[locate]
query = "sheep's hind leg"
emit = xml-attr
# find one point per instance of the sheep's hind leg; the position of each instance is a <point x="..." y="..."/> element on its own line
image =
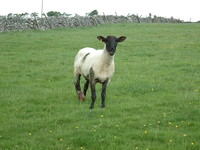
<point x="86" y="87"/>
<point x="77" y="83"/>
<point x="78" y="88"/>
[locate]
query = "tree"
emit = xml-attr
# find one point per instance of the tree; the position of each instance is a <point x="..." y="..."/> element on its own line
<point x="92" y="13"/>
<point x="53" y="13"/>
<point x="24" y="15"/>
<point x="34" y="15"/>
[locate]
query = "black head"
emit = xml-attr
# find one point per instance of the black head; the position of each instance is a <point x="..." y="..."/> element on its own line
<point x="111" y="43"/>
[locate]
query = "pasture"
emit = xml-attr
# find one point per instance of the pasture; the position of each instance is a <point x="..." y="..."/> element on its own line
<point x="153" y="100"/>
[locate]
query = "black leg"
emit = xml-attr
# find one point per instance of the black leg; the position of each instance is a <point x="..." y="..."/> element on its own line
<point x="93" y="93"/>
<point x="77" y="83"/>
<point x="103" y="93"/>
<point x="86" y="87"/>
<point x="92" y="86"/>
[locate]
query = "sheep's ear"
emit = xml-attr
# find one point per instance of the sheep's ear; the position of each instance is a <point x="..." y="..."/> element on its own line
<point x="101" y="38"/>
<point x="121" y="39"/>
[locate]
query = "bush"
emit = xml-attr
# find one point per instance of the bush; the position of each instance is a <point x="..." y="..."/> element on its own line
<point x="53" y="13"/>
<point x="93" y="13"/>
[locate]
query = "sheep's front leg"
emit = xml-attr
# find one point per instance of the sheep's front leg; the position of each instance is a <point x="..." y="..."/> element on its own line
<point x="93" y="93"/>
<point x="92" y="86"/>
<point x="103" y="93"/>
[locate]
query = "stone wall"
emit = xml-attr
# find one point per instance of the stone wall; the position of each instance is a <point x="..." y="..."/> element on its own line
<point x="19" y="23"/>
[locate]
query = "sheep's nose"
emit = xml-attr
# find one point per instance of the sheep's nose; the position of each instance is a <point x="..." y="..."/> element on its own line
<point x="112" y="49"/>
<point x="112" y="53"/>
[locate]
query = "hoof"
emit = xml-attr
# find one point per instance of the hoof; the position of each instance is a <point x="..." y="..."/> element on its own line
<point x="91" y="107"/>
<point x="103" y="106"/>
<point x="81" y="96"/>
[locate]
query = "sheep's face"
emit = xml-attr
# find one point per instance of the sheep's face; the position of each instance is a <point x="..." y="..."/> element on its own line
<point x="111" y="43"/>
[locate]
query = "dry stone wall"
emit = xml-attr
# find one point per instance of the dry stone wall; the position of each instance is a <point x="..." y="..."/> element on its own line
<point x="18" y="23"/>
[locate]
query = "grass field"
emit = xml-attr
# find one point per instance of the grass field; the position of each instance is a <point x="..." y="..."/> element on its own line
<point x="153" y="100"/>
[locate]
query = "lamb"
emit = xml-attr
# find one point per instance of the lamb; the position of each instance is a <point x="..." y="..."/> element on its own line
<point x="96" y="66"/>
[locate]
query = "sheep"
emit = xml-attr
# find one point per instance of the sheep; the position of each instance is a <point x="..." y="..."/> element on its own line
<point x="96" y="66"/>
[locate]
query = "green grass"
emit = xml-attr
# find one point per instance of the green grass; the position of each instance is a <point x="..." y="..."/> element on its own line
<point x="152" y="101"/>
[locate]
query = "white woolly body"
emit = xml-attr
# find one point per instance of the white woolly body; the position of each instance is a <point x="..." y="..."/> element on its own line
<point x="99" y="60"/>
